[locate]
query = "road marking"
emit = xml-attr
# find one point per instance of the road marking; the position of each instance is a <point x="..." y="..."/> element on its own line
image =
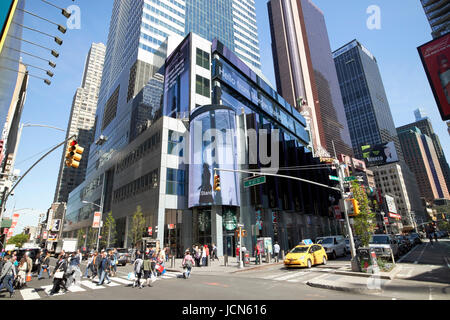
<point x="430" y="297"/>
<point x="317" y="278"/>
<point x="30" y="294"/>
<point x="47" y="290"/>
<point x="91" y="285"/>
<point x="121" y="280"/>
<point x="447" y="261"/>
<point x="421" y="254"/>
<point x="289" y="276"/>
<point x="75" y="288"/>
<point x="406" y="255"/>
<point x="112" y="284"/>
<point x="274" y="276"/>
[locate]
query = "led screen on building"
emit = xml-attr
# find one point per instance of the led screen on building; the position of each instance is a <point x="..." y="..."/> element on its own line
<point x="213" y="144"/>
<point x="435" y="57"/>
<point x="380" y="154"/>
<point x="7" y="8"/>
<point x="176" y="84"/>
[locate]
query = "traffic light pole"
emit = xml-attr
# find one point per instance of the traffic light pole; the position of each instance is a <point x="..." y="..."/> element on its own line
<point x="2" y="208"/>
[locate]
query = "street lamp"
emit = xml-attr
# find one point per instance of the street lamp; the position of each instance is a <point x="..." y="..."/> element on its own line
<point x="101" y="222"/>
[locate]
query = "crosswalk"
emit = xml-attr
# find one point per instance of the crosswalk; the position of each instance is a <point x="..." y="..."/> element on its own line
<point x="292" y="276"/>
<point x="86" y="285"/>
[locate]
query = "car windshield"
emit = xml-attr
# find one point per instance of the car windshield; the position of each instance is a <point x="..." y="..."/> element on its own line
<point x="379" y="240"/>
<point x="327" y="240"/>
<point x="299" y="250"/>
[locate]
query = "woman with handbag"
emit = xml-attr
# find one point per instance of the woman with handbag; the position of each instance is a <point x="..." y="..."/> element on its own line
<point x="187" y="264"/>
<point x="59" y="275"/>
<point x="22" y="274"/>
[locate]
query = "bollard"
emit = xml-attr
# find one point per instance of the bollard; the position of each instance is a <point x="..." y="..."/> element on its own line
<point x="282" y="255"/>
<point x="260" y="258"/>
<point x="225" y="260"/>
<point x="172" y="262"/>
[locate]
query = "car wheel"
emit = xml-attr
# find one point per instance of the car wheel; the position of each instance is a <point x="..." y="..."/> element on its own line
<point x="309" y="264"/>
<point x="324" y="260"/>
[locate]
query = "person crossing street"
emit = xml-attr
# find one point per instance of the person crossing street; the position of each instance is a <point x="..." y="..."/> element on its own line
<point x="104" y="269"/>
<point x="7" y="275"/>
<point x="44" y="265"/>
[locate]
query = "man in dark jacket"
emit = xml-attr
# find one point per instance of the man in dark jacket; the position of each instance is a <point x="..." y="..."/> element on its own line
<point x="44" y="265"/>
<point x="94" y="265"/>
<point x="59" y="274"/>
<point x="104" y="269"/>
<point x="7" y="275"/>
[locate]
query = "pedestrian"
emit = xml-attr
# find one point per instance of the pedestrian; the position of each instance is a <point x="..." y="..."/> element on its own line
<point x="197" y="256"/>
<point x="203" y="255"/>
<point x="88" y="266"/>
<point x="29" y="265"/>
<point x="435" y="236"/>
<point x="59" y="275"/>
<point x="214" y="252"/>
<point x="167" y="252"/>
<point x="7" y="275"/>
<point x="95" y="265"/>
<point x="138" y="267"/>
<point x="22" y="274"/>
<point x="74" y="272"/>
<point x="257" y="253"/>
<point x="430" y="237"/>
<point x="161" y="257"/>
<point x="149" y="275"/>
<point x="44" y="265"/>
<point x="113" y="263"/>
<point x="276" y="251"/>
<point x="104" y="269"/>
<point x="37" y="261"/>
<point x="187" y="264"/>
<point x="206" y="248"/>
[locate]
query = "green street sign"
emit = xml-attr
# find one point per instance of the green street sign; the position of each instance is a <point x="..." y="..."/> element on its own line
<point x="254" y="182"/>
<point x="350" y="178"/>
<point x="334" y="178"/>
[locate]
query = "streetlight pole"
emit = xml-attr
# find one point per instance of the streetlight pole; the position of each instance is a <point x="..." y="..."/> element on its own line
<point x="101" y="210"/>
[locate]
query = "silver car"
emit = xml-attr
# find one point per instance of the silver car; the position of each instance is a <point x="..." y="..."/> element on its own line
<point x="385" y="245"/>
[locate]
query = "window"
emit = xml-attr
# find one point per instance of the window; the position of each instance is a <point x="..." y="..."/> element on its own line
<point x="202" y="86"/>
<point x="175" y="139"/>
<point x="175" y="182"/>
<point x="202" y="59"/>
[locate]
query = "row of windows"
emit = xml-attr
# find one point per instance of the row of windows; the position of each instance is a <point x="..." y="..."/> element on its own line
<point x="203" y="59"/>
<point x="248" y="25"/>
<point x="154" y="30"/>
<point x="111" y="108"/>
<point x="202" y="86"/>
<point x="165" y="15"/>
<point x="253" y="35"/>
<point x="163" y="24"/>
<point x="247" y="38"/>
<point x="144" y="183"/>
<point x="254" y="56"/>
<point x="175" y="184"/>
<point x="175" y="139"/>
<point x="165" y="6"/>
<point x="249" y="12"/>
<point x="139" y="152"/>
<point x="152" y="50"/>
<point x="151" y="39"/>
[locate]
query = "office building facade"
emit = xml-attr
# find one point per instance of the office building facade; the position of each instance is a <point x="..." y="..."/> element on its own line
<point x="437" y="12"/>
<point x="426" y="128"/>
<point x="81" y="121"/>
<point x="171" y="181"/>
<point x="305" y="72"/>
<point x="422" y="160"/>
<point x="368" y="113"/>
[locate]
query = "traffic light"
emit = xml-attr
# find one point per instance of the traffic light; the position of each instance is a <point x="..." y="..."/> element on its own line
<point x="73" y="154"/>
<point x="216" y="182"/>
<point x="355" y="206"/>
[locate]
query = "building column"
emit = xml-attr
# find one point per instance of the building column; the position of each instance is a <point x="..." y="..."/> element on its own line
<point x="217" y="229"/>
<point x="125" y="243"/>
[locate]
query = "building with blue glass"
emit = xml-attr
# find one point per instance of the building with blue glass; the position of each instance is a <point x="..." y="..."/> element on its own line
<point x="211" y="110"/>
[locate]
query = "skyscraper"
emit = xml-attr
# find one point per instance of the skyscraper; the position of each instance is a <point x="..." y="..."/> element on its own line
<point x="305" y="71"/>
<point x="437" y="12"/>
<point x="81" y="122"/>
<point x="426" y="128"/>
<point x="422" y="160"/>
<point x="368" y="113"/>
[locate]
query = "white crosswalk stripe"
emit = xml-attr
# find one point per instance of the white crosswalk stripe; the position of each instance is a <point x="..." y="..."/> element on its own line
<point x="273" y="276"/>
<point x="47" y="290"/>
<point x="29" y="294"/>
<point x="123" y="280"/>
<point x="289" y="276"/>
<point x="75" y="288"/>
<point x="91" y="285"/>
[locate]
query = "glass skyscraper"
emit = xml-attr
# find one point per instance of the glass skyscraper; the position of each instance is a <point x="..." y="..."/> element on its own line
<point x="438" y="15"/>
<point x="366" y="106"/>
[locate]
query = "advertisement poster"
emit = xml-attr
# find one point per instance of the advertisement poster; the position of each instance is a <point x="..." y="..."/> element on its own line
<point x="390" y="202"/>
<point x="435" y="57"/>
<point x="176" y="84"/>
<point x="213" y="145"/>
<point x="380" y="154"/>
<point x="96" y="222"/>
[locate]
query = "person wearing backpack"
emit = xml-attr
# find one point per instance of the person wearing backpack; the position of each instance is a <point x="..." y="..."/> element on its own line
<point x="113" y="263"/>
<point x="104" y="269"/>
<point x="7" y="275"/>
<point x="188" y="263"/>
<point x="138" y="268"/>
<point x="148" y="271"/>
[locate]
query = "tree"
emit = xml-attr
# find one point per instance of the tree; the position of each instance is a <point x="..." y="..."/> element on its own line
<point x="81" y="233"/>
<point x="364" y="222"/>
<point x="137" y="225"/>
<point x="108" y="231"/>
<point x="19" y="239"/>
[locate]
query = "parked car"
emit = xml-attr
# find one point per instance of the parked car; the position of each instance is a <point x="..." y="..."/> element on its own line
<point x="404" y="245"/>
<point x="334" y="246"/>
<point x="384" y="245"/>
<point x="124" y="256"/>
<point x="306" y="256"/>
<point x="319" y="240"/>
<point x="415" y="238"/>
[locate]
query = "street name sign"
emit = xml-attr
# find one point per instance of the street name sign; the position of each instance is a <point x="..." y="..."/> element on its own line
<point x="254" y="182"/>
<point x="334" y="178"/>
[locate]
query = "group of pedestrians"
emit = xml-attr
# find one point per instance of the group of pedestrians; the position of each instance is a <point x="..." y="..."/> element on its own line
<point x="148" y="265"/>
<point x="202" y="254"/>
<point x="102" y="265"/>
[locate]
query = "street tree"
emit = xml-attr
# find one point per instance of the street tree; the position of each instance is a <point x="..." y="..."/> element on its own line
<point x="108" y="231"/>
<point x="19" y="239"/>
<point x="137" y="225"/>
<point x="364" y="222"/>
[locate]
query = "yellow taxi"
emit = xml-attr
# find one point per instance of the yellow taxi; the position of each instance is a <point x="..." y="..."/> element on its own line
<point x="306" y="256"/>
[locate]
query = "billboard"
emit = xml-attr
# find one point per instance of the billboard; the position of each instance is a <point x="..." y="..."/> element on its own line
<point x="177" y="81"/>
<point x="213" y="145"/>
<point x="7" y="9"/>
<point x="435" y="56"/>
<point x="97" y="218"/>
<point x="380" y="154"/>
<point x="390" y="202"/>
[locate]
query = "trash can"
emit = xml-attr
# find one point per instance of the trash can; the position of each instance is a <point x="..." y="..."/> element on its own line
<point x="363" y="257"/>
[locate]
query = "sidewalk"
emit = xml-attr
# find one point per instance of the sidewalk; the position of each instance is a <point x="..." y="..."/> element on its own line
<point x="219" y="267"/>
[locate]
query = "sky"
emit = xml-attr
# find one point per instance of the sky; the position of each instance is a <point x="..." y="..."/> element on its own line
<point x="404" y="27"/>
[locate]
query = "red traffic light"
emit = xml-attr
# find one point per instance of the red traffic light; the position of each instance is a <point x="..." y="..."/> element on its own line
<point x="73" y="143"/>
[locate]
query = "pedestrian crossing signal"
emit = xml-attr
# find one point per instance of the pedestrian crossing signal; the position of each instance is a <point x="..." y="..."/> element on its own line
<point x="216" y="182"/>
<point x="73" y="154"/>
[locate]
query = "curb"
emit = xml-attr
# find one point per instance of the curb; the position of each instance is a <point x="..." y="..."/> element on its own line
<point x="389" y="276"/>
<point x="342" y="288"/>
<point x="257" y="268"/>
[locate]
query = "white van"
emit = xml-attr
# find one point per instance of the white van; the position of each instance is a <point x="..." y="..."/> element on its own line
<point x="334" y="246"/>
